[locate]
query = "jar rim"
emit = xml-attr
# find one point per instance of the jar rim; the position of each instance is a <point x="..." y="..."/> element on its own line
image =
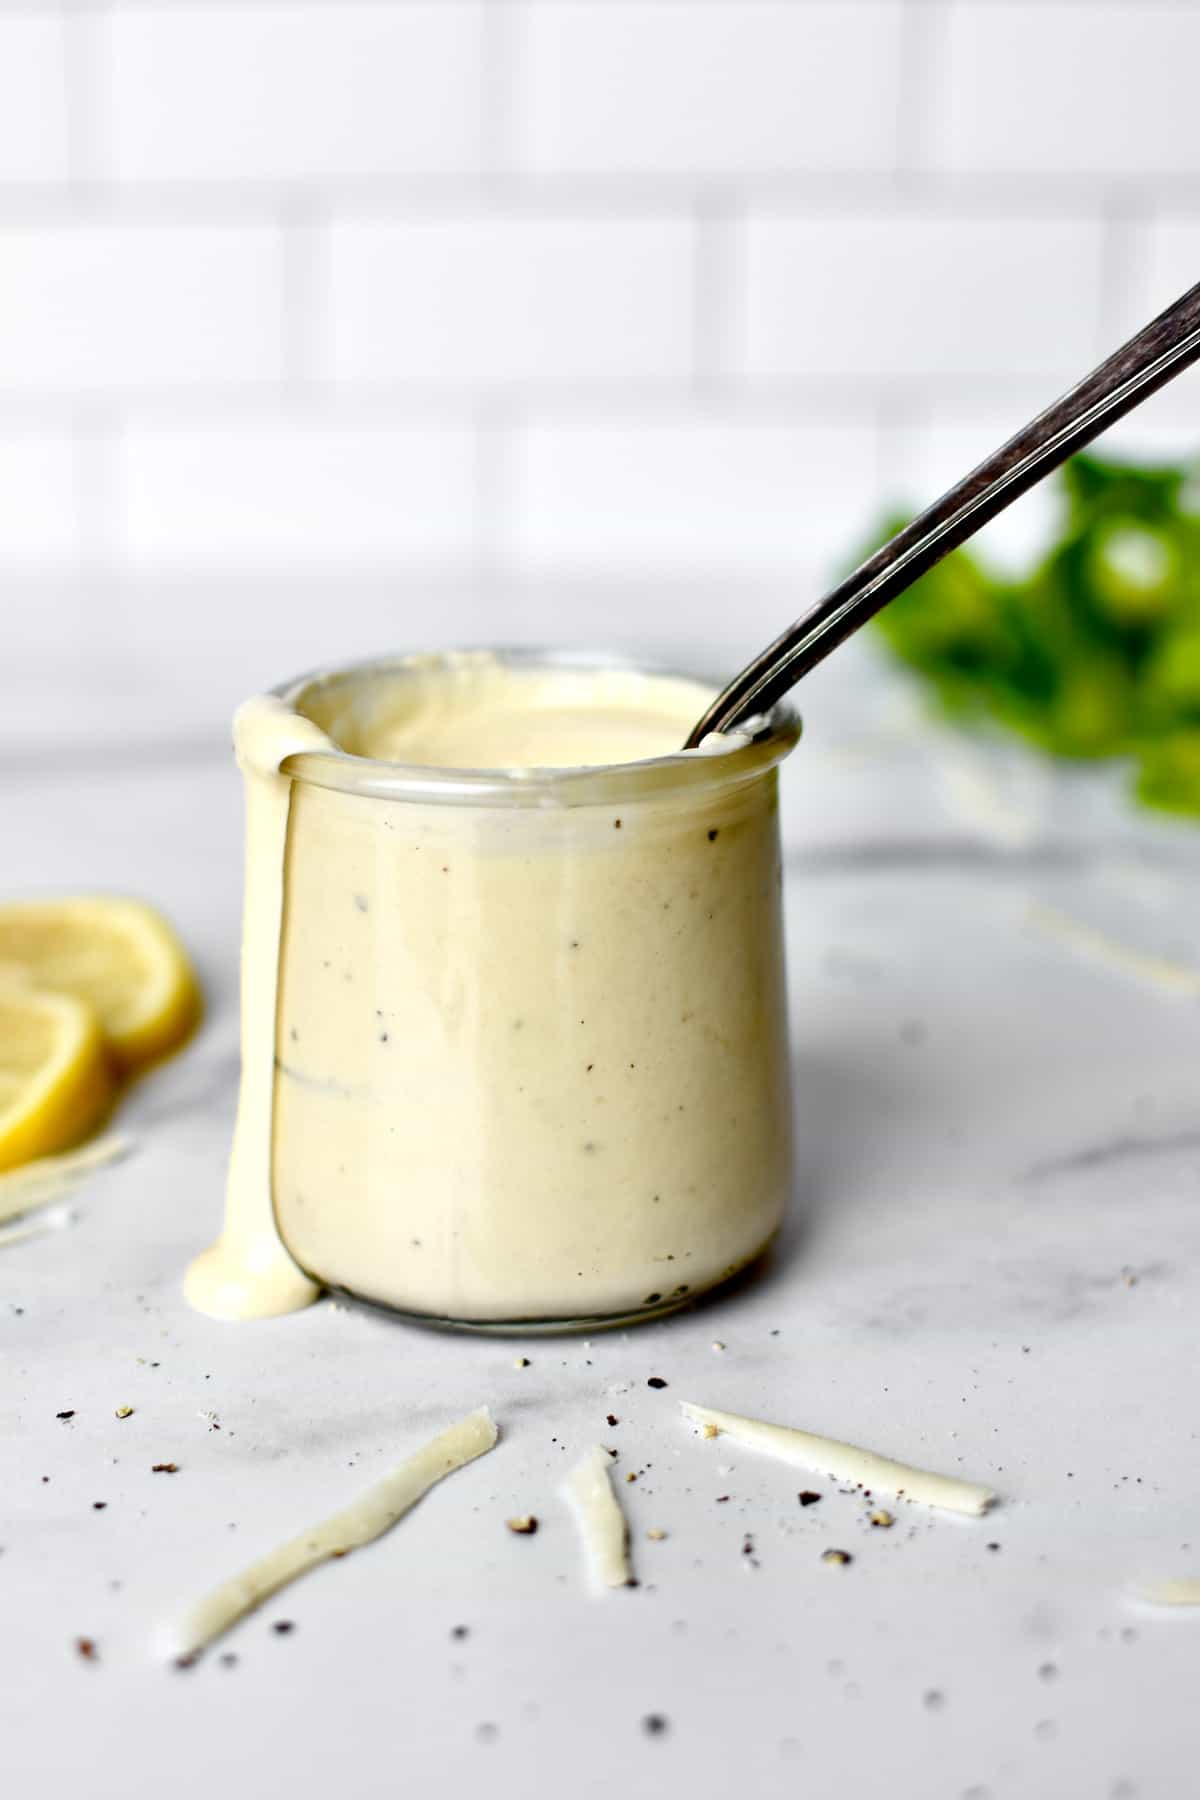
<point x="771" y="739"/>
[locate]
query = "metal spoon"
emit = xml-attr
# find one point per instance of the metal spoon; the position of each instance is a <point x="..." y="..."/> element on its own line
<point x="1126" y="378"/>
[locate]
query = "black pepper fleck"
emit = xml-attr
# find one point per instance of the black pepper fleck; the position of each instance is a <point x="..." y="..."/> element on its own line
<point x="459" y="1632"/>
<point x="612" y="1419"/>
<point x="99" y="1505"/>
<point x="281" y="1627"/>
<point x="69" y="1414"/>
<point x="650" y="1299"/>
<point x="656" y="1381"/>
<point x="807" y="1498"/>
<point x="712" y="836"/>
<point x="655" y="1724"/>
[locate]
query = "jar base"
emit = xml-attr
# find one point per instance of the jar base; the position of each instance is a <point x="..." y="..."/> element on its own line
<point x="523" y="1328"/>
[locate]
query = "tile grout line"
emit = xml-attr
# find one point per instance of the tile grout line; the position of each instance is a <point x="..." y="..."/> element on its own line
<point x="1123" y="221"/>
<point x="899" y="417"/>
<point x="831" y="194"/>
<point x="96" y="428"/>
<point x="750" y="400"/>
<point x="85" y="110"/>
<point x="496" y="420"/>
<point x="302" y="230"/>
<point x="924" y="34"/>
<point x="718" y="253"/>
<point x="23" y="8"/>
<point x="497" y="95"/>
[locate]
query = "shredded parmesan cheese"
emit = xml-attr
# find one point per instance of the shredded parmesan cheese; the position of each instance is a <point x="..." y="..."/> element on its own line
<point x="845" y="1462"/>
<point x="368" y="1518"/>
<point x="48" y="1178"/>
<point x="1168" y="977"/>
<point x="600" y="1519"/>
<point x="1179" y="1592"/>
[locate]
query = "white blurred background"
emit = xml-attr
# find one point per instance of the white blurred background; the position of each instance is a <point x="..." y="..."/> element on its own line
<point x="346" y="325"/>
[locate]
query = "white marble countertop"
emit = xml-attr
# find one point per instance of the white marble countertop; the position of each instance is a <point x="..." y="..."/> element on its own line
<point x="992" y="1268"/>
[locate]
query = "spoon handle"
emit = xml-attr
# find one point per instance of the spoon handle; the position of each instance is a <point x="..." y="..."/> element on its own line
<point x="1147" y="362"/>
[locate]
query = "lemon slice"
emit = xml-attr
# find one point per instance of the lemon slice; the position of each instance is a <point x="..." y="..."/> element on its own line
<point x="118" y="956"/>
<point x="55" y="1077"/>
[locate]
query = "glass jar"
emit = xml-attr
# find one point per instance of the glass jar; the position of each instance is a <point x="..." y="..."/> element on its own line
<point x="532" y="1062"/>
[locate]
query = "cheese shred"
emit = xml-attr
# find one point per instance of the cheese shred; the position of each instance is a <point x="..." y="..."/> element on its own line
<point x="35" y="1184"/>
<point x="601" y="1522"/>
<point x="845" y="1462"/>
<point x="360" y="1523"/>
<point x="1179" y="1592"/>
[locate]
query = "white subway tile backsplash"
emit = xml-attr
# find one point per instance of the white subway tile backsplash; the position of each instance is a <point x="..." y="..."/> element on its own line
<point x="1165" y="428"/>
<point x="33" y="99"/>
<point x="923" y="458"/>
<point x="94" y="307"/>
<point x="287" y="92"/>
<point x="653" y="268"/>
<point x="1152" y="438"/>
<point x="1055" y="85"/>
<point x="908" y="296"/>
<point x="666" y="86"/>
<point x="1162" y="261"/>
<point x="691" y="492"/>
<point x="1167" y="265"/>
<point x="38" y="522"/>
<point x="287" y="492"/>
<point x="503" y="300"/>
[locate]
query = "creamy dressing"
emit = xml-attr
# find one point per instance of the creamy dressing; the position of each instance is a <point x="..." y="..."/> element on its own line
<point x="375" y="1512"/>
<point x="502" y="1062"/>
<point x="248" y="1274"/>
<point x="845" y="1462"/>
<point x="484" y="714"/>
<point x="601" y="1522"/>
